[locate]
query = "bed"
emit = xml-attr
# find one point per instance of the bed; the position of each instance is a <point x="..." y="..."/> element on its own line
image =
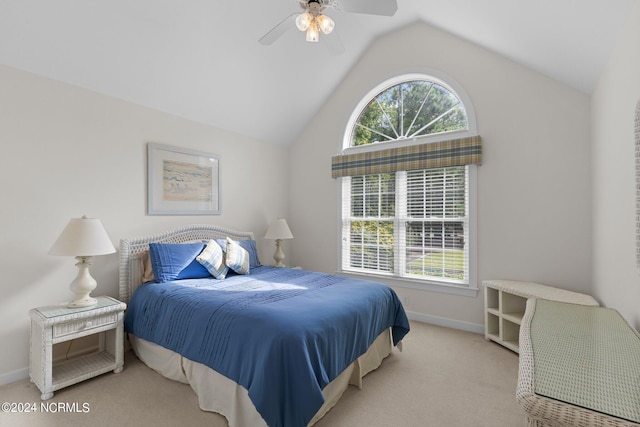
<point x="260" y="345"/>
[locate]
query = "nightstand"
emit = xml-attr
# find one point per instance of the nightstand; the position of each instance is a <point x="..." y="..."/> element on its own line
<point x="58" y="323"/>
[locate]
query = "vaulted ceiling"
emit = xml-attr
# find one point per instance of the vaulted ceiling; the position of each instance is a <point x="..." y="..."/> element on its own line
<point x="200" y="59"/>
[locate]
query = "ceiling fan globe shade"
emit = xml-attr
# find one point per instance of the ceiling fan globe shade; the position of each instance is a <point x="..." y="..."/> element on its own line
<point x="303" y="21"/>
<point x="325" y="24"/>
<point x="313" y="33"/>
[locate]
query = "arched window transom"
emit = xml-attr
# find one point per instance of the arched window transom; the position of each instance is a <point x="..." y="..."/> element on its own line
<point x="409" y="109"/>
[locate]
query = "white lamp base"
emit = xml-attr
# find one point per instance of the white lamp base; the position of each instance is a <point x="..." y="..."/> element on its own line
<point x="84" y="302"/>
<point x="279" y="255"/>
<point x="83" y="284"/>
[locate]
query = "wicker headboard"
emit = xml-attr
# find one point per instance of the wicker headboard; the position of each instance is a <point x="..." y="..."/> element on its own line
<point x="131" y="250"/>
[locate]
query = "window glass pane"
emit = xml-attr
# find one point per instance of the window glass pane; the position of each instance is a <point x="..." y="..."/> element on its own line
<point x="372" y="208"/>
<point x="453" y="235"/>
<point x="357" y="205"/>
<point x="388" y="202"/>
<point x="408" y="110"/>
<point x="357" y="196"/>
<point x="436" y="249"/>
<point x="357" y="233"/>
<point x="438" y="193"/>
<point x="373" y="196"/>
<point x="372" y="245"/>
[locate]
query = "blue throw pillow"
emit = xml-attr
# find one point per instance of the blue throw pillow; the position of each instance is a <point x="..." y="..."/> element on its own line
<point x="174" y="261"/>
<point x="250" y="246"/>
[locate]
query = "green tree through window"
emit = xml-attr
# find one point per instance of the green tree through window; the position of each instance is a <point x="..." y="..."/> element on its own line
<point x="408" y="110"/>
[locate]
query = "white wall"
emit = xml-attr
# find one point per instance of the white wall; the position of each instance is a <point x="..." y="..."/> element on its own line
<point x="616" y="278"/>
<point x="534" y="191"/>
<point x="68" y="152"/>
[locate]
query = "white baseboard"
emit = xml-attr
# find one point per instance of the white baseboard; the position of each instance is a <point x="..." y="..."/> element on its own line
<point x="447" y="323"/>
<point x="23" y="374"/>
<point x="12" y="377"/>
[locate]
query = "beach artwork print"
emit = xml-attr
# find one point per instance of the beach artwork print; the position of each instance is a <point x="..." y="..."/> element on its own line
<point x="186" y="182"/>
<point x="182" y="182"/>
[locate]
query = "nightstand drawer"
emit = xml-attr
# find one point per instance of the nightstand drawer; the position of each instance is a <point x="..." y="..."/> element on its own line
<point x="83" y="324"/>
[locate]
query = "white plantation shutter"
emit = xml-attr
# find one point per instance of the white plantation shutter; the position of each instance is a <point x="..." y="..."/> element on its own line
<point x="368" y="213"/>
<point x="434" y="219"/>
<point x="408" y="224"/>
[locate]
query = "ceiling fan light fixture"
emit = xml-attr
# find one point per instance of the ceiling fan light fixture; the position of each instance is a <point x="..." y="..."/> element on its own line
<point x="312" y="20"/>
<point x="303" y="21"/>
<point x="313" y="33"/>
<point x="325" y="24"/>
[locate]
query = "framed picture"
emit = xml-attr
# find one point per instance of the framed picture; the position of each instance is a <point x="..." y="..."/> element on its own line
<point x="182" y="182"/>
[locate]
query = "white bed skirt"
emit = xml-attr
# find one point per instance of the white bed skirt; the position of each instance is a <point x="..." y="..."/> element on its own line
<point x="217" y="393"/>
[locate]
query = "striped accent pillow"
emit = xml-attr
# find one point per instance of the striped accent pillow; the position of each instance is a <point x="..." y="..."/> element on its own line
<point x="212" y="258"/>
<point x="237" y="257"/>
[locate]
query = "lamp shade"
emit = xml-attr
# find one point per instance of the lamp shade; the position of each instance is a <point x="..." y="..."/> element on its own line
<point x="278" y="230"/>
<point x="83" y="237"/>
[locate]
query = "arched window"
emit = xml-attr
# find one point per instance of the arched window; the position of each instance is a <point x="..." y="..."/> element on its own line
<point x="409" y="109"/>
<point x="407" y="185"/>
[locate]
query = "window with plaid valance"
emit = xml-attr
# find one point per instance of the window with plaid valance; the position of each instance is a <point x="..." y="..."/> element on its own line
<point x="407" y="176"/>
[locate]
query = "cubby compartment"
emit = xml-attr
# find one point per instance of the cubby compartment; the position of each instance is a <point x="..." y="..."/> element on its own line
<point x="493" y="325"/>
<point x="510" y="335"/>
<point x="513" y="307"/>
<point x="492" y="299"/>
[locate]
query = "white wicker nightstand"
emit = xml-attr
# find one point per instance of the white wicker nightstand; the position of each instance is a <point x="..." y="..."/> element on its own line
<point x="58" y="323"/>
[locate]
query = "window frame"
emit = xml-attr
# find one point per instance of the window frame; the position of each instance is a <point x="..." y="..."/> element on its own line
<point x="469" y="289"/>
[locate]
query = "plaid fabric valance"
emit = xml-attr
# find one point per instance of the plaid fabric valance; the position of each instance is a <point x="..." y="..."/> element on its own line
<point x="456" y="152"/>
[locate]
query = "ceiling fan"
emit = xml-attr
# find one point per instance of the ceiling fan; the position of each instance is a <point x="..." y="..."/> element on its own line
<point x="313" y="21"/>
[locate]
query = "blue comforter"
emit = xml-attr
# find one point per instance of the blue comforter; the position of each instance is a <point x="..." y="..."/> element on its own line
<point x="282" y="333"/>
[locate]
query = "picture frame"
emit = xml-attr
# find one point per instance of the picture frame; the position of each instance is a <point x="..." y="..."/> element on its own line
<point x="181" y="181"/>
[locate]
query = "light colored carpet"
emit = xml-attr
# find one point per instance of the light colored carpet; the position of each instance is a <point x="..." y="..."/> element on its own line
<point x="443" y="378"/>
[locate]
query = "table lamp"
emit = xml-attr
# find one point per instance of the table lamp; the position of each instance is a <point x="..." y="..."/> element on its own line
<point x="278" y="230"/>
<point x="83" y="238"/>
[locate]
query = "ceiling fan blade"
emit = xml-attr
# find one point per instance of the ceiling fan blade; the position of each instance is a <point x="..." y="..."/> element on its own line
<point x="276" y="32"/>
<point x="371" y="7"/>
